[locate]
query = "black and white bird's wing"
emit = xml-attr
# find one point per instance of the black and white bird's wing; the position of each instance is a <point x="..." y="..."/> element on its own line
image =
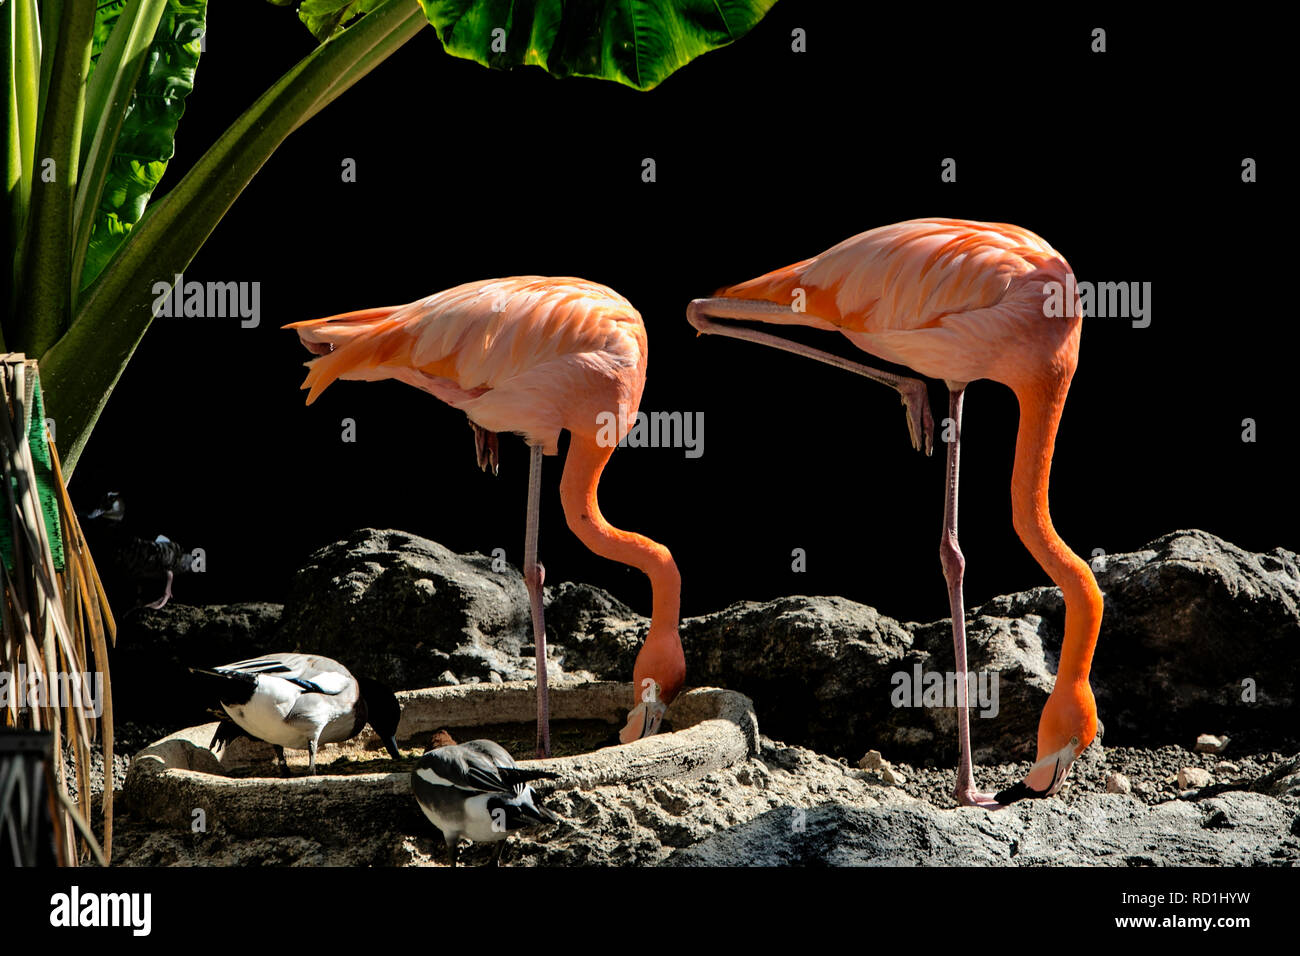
<point x="509" y="772"/>
<point x="468" y="768"/>
<point x="309" y="672"/>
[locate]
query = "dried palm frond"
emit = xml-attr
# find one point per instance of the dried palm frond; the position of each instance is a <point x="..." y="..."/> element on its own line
<point x="56" y="620"/>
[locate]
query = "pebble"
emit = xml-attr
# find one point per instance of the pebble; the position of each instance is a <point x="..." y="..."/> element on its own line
<point x="1191" y="778"/>
<point x="1210" y="744"/>
<point x="872" y="760"/>
<point x="1118" y="783"/>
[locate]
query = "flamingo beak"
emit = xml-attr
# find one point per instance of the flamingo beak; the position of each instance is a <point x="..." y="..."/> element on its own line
<point x="1044" y="778"/>
<point x="643" y="721"/>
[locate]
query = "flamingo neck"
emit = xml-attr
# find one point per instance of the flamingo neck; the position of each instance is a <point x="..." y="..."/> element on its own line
<point x="582" y="469"/>
<point x="1040" y="413"/>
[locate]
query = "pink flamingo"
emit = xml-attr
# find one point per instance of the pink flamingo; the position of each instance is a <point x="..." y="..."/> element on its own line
<point x="530" y="355"/>
<point x="959" y="301"/>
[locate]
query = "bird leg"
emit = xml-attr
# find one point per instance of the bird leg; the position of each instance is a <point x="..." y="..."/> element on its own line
<point x="501" y="851"/>
<point x="281" y="760"/>
<point x="452" y="847"/>
<point x="954" y="566"/>
<point x="311" y="763"/>
<point x="920" y="423"/>
<point x="534" y="575"/>
<point x="159" y="604"/>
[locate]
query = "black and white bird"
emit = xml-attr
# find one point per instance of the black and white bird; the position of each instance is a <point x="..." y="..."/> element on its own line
<point x="134" y="567"/>
<point x="301" y="701"/>
<point x="476" y="791"/>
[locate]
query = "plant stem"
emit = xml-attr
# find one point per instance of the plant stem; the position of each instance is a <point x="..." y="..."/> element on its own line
<point x="44" y="292"/>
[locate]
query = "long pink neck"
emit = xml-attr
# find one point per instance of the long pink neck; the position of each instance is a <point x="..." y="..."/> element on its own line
<point x="582" y="468"/>
<point x="1040" y="413"/>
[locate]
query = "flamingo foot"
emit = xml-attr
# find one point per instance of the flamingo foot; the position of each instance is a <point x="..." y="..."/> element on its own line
<point x="920" y="423"/>
<point x="970" y="797"/>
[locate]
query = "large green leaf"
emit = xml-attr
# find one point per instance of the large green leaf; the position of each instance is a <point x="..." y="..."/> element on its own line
<point x="324" y="18"/>
<point x="635" y="42"/>
<point x="148" y="137"/>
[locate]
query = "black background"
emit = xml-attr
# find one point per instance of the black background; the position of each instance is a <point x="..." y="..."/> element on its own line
<point x="1128" y="162"/>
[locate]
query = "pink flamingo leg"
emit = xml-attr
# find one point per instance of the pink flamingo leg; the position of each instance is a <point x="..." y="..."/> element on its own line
<point x="920" y="424"/>
<point x="954" y="566"/>
<point x="534" y="575"/>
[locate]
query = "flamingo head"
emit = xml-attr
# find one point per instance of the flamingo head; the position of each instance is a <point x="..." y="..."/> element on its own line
<point x="1066" y="728"/>
<point x="656" y="681"/>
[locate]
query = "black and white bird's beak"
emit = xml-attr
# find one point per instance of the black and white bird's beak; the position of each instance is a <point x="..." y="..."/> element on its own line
<point x="1044" y="778"/>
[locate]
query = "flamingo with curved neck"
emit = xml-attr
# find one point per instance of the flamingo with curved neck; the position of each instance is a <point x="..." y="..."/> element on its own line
<point x="535" y="356"/>
<point x="957" y="300"/>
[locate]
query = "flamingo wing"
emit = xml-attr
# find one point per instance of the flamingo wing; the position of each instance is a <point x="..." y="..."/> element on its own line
<point x="907" y="275"/>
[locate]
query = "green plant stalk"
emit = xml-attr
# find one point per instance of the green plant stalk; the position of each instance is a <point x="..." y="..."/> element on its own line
<point x="51" y="11"/>
<point x="108" y="98"/>
<point x="44" y="290"/>
<point x="22" y="39"/>
<point x="80" y="371"/>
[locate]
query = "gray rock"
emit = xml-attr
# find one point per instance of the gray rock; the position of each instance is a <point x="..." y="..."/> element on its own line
<point x="1187" y="620"/>
<point x="1282" y="781"/>
<point x="403" y="609"/>
<point x="1240" y="829"/>
<point x="1190" y="619"/>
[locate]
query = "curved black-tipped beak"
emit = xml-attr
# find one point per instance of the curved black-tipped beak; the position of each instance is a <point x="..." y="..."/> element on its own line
<point x="1019" y="792"/>
<point x="390" y="744"/>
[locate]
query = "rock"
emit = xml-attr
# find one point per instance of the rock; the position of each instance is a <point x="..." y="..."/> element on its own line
<point x="600" y="633"/>
<point x="1118" y="783"/>
<point x="1192" y="626"/>
<point x="1198" y="632"/>
<point x="1099" y="829"/>
<point x="1192" y="778"/>
<point x="892" y="777"/>
<point x="1210" y="744"/>
<point x="403" y="609"/>
<point x="1282" y="781"/>
<point x="871" y="760"/>
<point x="1225" y="769"/>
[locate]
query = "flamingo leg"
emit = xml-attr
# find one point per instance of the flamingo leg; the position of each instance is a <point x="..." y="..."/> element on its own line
<point x="920" y="423"/>
<point x="954" y="567"/>
<point x="534" y="575"/>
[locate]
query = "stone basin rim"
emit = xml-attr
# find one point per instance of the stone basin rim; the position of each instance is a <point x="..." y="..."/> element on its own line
<point x="718" y="729"/>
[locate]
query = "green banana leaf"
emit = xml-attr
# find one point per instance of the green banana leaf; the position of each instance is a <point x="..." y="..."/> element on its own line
<point x="635" y="42"/>
<point x="148" y="137"/>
